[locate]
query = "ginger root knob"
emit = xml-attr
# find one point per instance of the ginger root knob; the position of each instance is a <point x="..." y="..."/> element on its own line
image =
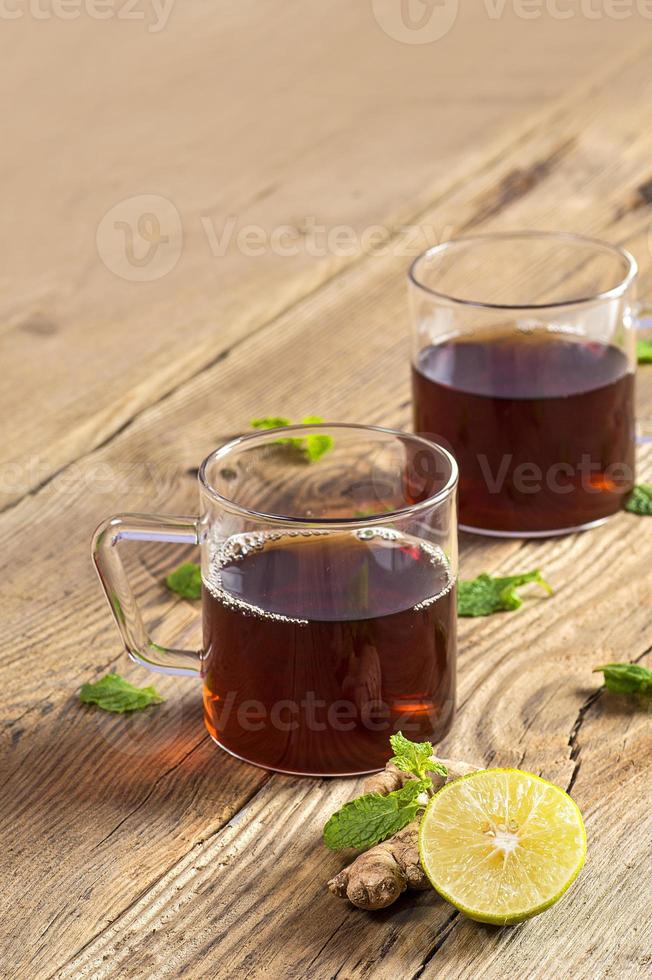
<point x="376" y="878"/>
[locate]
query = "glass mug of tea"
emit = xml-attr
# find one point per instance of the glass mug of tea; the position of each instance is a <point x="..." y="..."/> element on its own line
<point x="328" y="594"/>
<point x="524" y="356"/>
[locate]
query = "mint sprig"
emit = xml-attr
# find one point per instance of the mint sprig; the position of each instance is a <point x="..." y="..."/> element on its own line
<point x="185" y="580"/>
<point x="372" y="818"/>
<point x="627" y="678"/>
<point x="312" y="446"/>
<point x="414" y="757"/>
<point x="487" y="594"/>
<point x="114" y="693"/>
<point x="640" y="500"/>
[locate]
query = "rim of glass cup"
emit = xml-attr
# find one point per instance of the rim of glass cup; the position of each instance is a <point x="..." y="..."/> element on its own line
<point x="268" y="435"/>
<point x="615" y="291"/>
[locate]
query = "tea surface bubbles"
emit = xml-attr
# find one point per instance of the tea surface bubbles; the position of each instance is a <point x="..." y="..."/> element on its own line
<point x="319" y="645"/>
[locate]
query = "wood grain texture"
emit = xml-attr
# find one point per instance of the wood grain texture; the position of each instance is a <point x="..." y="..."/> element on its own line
<point x="132" y="847"/>
<point x="236" y="114"/>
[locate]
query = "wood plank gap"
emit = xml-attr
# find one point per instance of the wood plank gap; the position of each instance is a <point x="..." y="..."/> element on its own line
<point x="573" y="739"/>
<point x="444" y="933"/>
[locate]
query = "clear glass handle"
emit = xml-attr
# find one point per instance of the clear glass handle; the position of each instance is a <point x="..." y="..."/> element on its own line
<point x="141" y="527"/>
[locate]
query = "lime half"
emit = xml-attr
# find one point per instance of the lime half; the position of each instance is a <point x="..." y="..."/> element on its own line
<point x="502" y="845"/>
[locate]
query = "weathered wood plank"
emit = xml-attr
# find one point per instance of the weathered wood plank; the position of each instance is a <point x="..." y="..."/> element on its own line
<point x="523" y="679"/>
<point x="601" y="928"/>
<point x="515" y="709"/>
<point x="215" y="116"/>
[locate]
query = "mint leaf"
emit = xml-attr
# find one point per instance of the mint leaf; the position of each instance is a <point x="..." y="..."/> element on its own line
<point x="438" y="767"/>
<point x="114" y="693"/>
<point x="313" y="446"/>
<point x="272" y="422"/>
<point x="185" y="580"/>
<point x="627" y="678"/>
<point x="644" y="351"/>
<point x="316" y="446"/>
<point x="485" y="594"/>
<point x="640" y="500"/>
<point x="371" y="818"/>
<point x="276" y="422"/>
<point x="414" y="757"/>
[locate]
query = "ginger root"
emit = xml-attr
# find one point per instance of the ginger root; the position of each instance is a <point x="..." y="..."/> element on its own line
<point x="390" y="779"/>
<point x="378" y="876"/>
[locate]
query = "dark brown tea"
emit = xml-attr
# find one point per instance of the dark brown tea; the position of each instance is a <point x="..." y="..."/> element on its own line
<point x="542" y="427"/>
<point x="321" y="644"/>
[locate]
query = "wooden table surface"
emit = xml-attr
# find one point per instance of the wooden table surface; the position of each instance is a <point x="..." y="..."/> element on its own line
<point x="131" y="846"/>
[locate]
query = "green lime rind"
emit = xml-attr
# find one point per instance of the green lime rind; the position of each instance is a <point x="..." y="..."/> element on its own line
<point x="486" y="917"/>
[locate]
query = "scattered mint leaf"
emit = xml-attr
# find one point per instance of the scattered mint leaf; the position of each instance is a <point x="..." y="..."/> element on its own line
<point x="644" y="351"/>
<point x="313" y="447"/>
<point x="114" y="693"/>
<point x="185" y="580"/>
<point x="270" y="423"/>
<point x="316" y="446"/>
<point x="276" y="422"/>
<point x="414" y="757"/>
<point x="640" y="500"/>
<point x="485" y="594"/>
<point x="371" y="818"/>
<point x="627" y="678"/>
